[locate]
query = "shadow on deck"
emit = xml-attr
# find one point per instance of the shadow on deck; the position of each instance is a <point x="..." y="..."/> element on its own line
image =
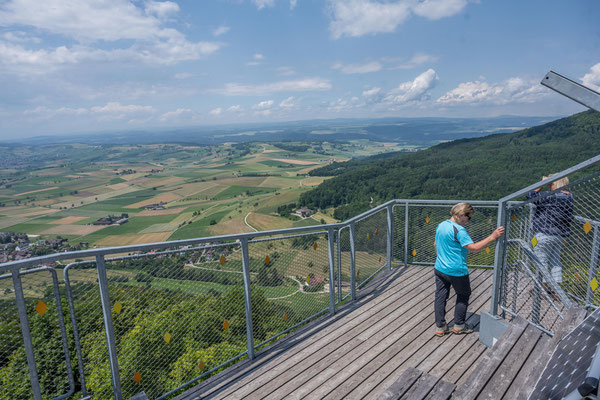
<point x="364" y="348"/>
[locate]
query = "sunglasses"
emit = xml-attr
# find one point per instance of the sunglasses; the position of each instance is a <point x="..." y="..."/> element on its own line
<point x="469" y="216"/>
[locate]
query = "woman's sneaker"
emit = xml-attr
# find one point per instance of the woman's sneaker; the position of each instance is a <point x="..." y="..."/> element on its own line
<point x="441" y="331"/>
<point x="462" y="329"/>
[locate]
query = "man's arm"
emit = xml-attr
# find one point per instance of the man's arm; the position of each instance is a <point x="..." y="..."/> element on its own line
<point x="482" y="244"/>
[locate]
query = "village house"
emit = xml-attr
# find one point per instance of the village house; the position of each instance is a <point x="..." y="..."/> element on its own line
<point x="303" y="212"/>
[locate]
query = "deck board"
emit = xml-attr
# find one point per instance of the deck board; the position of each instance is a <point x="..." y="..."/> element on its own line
<point x="356" y="353"/>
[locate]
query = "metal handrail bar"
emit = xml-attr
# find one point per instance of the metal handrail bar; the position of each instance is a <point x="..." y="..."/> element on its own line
<point x="541" y="328"/>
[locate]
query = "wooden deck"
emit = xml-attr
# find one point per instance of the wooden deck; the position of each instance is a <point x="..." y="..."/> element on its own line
<point x="364" y="348"/>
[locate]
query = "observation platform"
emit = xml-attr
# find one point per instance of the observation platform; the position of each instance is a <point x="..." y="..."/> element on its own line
<point x="366" y="347"/>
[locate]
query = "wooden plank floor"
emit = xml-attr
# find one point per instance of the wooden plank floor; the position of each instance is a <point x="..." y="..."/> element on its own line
<point x="361" y="351"/>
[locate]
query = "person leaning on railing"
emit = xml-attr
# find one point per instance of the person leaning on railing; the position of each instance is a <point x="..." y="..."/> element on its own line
<point x="551" y="225"/>
<point x="452" y="244"/>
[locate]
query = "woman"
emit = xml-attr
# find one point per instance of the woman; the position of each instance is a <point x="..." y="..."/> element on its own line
<point x="452" y="243"/>
<point x="551" y="225"/>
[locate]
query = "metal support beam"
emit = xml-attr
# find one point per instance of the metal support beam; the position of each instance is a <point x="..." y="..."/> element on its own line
<point x="339" y="264"/>
<point x="247" y="298"/>
<point x="573" y="90"/>
<point x="108" y="326"/>
<point x="406" y="235"/>
<point x="498" y="260"/>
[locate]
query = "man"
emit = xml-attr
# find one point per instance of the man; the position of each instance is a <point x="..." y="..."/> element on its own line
<point x="452" y="243"/>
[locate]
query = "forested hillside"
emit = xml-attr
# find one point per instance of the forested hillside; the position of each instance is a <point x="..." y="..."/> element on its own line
<point x="483" y="168"/>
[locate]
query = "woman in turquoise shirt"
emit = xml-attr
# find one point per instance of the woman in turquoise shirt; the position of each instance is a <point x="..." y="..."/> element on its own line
<point x="452" y="243"/>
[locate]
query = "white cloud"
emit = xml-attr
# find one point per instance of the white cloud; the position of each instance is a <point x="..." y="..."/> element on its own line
<point x="302" y="85"/>
<point x="161" y="9"/>
<point x="20" y="37"/>
<point x="415" y="90"/>
<point x="592" y="78"/>
<point x="343" y="105"/>
<point x="258" y="56"/>
<point x="183" y="75"/>
<point x="263" y="105"/>
<point x="216" y="111"/>
<point x="416" y="60"/>
<point x="221" y="30"/>
<point x="369" y="93"/>
<point x="288" y="103"/>
<point x="260" y="4"/>
<point x="361" y="17"/>
<point x="118" y="108"/>
<point x="236" y="108"/>
<point x="293" y="4"/>
<point x="512" y="90"/>
<point x="285" y="71"/>
<point x="128" y="33"/>
<point x="174" y="114"/>
<point x="373" y="66"/>
<point x="437" y="9"/>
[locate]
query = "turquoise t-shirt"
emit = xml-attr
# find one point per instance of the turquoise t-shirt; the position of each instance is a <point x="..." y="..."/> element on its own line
<point x="451" y="251"/>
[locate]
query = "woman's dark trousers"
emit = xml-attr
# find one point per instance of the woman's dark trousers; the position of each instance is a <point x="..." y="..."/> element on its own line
<point x="462" y="287"/>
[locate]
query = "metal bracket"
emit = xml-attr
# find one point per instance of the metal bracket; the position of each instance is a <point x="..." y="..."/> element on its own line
<point x="573" y="90"/>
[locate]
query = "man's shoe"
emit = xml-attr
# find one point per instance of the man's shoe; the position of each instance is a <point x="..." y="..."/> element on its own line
<point x="462" y="329"/>
<point x="441" y="331"/>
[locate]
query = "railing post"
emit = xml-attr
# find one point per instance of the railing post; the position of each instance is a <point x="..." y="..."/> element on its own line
<point x="108" y="326"/>
<point x="406" y="235"/>
<point x="498" y="261"/>
<point x="330" y="252"/>
<point x="352" y="264"/>
<point x="589" y="296"/>
<point x="390" y="232"/>
<point x="339" y="264"/>
<point x="20" y="298"/>
<point x="247" y="298"/>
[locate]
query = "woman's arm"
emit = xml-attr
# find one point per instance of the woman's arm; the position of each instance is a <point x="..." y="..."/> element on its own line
<point x="482" y="244"/>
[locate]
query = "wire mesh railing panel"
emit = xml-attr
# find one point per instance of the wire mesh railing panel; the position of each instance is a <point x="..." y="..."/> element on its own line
<point x="43" y="311"/>
<point x="86" y="319"/>
<point x="289" y="283"/>
<point x="398" y="253"/>
<point x="14" y="375"/>
<point x="343" y="263"/>
<point x="370" y="237"/>
<point x="175" y="316"/>
<point x="423" y="220"/>
<point x="552" y="252"/>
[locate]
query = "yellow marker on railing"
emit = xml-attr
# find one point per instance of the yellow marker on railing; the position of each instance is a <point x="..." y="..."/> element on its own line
<point x="201" y="364"/>
<point x="487" y="250"/>
<point x="285" y="316"/>
<point x="427" y="220"/>
<point x="308" y="279"/>
<point x="534" y="242"/>
<point x="414" y="253"/>
<point x="368" y="236"/>
<point x="222" y="260"/>
<point x="117" y="308"/>
<point x="514" y="217"/>
<point x="137" y="377"/>
<point x="376" y="231"/>
<point x="225" y="325"/>
<point x="315" y="246"/>
<point x="41" y="307"/>
<point x="267" y="260"/>
<point x="587" y="227"/>
<point x="167" y="337"/>
<point x="594" y="284"/>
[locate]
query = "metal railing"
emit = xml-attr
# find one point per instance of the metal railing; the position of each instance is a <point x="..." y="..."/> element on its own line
<point x="548" y="258"/>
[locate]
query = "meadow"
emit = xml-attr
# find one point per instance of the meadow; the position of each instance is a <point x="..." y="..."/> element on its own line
<point x="202" y="190"/>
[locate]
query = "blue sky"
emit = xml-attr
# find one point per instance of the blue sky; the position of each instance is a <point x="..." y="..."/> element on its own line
<point x="88" y="66"/>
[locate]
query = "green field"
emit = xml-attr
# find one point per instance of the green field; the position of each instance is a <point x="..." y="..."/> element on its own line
<point x="67" y="199"/>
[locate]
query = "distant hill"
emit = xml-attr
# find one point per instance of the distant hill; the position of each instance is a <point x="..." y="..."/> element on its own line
<point x="485" y="168"/>
<point x="410" y="131"/>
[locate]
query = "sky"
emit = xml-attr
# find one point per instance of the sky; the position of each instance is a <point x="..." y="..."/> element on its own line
<point x="82" y="66"/>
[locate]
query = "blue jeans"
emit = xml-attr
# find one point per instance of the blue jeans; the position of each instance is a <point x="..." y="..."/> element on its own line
<point x="548" y="250"/>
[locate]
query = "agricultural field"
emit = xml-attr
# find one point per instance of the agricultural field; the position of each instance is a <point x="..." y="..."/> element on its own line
<point x="196" y="191"/>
